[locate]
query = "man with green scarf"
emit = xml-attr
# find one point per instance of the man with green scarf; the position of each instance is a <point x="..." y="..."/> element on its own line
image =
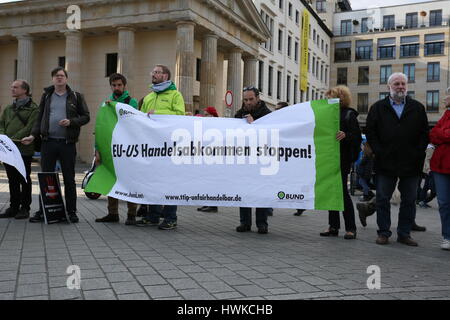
<point x="118" y="85"/>
<point x="164" y="99"/>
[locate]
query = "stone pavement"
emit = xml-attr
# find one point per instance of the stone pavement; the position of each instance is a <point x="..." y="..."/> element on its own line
<point x="204" y="258"/>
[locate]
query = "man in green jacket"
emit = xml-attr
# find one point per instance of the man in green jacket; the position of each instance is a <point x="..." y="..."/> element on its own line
<point x="16" y="122"/>
<point x="118" y="85"/>
<point x="164" y="99"/>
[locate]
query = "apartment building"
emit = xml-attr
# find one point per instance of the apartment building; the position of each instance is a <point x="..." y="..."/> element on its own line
<point x="370" y="44"/>
<point x="278" y="74"/>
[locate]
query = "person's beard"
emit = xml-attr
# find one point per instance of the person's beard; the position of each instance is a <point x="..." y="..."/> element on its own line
<point x="118" y="93"/>
<point x="398" y="95"/>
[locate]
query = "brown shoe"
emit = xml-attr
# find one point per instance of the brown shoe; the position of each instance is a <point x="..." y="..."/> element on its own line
<point x="408" y="241"/>
<point x="382" y="240"/>
<point x="109" y="218"/>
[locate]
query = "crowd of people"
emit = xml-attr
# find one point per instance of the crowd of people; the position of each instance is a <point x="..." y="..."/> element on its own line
<point x="400" y="152"/>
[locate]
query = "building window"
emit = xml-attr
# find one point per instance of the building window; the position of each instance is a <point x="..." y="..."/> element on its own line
<point x="317" y="68"/>
<point x="346" y="27"/>
<point x="309" y="60"/>
<point x="386" y="48"/>
<point x="409" y="46"/>
<point x="62" y="62"/>
<point x="280" y="40"/>
<point x="288" y="89"/>
<point x="269" y="23"/>
<point x="326" y="49"/>
<point x="363" y="50"/>
<point x="270" y="82"/>
<point x="385" y="73"/>
<point x="384" y="95"/>
<point x="198" y="69"/>
<point x="389" y="22"/>
<point x="364" y="25"/>
<point x="433" y="71"/>
<point x="321" y="45"/>
<point x="111" y="64"/>
<point x="321" y="6"/>
<point x="261" y="76"/>
<point x="314" y="65"/>
<point x="295" y="91"/>
<point x="314" y="35"/>
<point x="307" y="93"/>
<point x="410" y="70"/>
<point x="290" y="10"/>
<point x="321" y="73"/>
<point x="297" y="17"/>
<point x="363" y="75"/>
<point x="289" y="46"/>
<point x="279" y="85"/>
<point x="281" y="4"/>
<point x="313" y="92"/>
<point x="343" y="51"/>
<point x="411" y="94"/>
<point x="363" y="102"/>
<point x="296" y="51"/>
<point x="411" y="20"/>
<point x="342" y="76"/>
<point x="434" y="44"/>
<point x="435" y="18"/>
<point x="433" y="101"/>
<point x="326" y="75"/>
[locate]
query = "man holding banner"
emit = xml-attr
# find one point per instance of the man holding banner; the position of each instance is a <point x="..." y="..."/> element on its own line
<point x="16" y="122"/>
<point x="164" y="99"/>
<point x="253" y="108"/>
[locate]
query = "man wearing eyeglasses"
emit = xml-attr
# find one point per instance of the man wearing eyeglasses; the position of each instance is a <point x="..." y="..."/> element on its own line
<point x="62" y="112"/>
<point x="164" y="99"/>
<point x="252" y="109"/>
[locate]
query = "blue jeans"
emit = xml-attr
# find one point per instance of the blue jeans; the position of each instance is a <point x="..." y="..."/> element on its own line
<point x="365" y="185"/>
<point x="169" y="213"/>
<point x="407" y="214"/>
<point x="261" y="216"/>
<point x="442" y="183"/>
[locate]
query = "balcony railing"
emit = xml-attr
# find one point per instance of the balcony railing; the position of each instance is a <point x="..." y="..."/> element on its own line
<point x="399" y="25"/>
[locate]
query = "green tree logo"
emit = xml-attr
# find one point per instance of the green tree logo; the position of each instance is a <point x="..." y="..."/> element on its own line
<point x="281" y="195"/>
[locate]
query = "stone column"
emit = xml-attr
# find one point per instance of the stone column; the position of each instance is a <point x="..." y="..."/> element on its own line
<point x="185" y="63"/>
<point x="235" y="78"/>
<point x="74" y="57"/>
<point x="208" y="75"/>
<point x="126" y="53"/>
<point x="25" y="52"/>
<point x="250" y="69"/>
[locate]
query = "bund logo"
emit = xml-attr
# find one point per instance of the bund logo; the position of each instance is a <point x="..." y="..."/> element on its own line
<point x="287" y="196"/>
<point x="123" y="112"/>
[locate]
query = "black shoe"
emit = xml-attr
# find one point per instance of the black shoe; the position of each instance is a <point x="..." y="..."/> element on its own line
<point x="350" y="235"/>
<point x="408" y="241"/>
<point x="37" y="217"/>
<point x="330" y="233"/>
<point x="263" y="230"/>
<point x="9" y="213"/>
<point x="202" y="208"/>
<point x="209" y="209"/>
<point x="109" y="218"/>
<point x="73" y="217"/>
<point x="23" y="214"/>
<point x="415" y="227"/>
<point x="243" y="228"/>
<point x="167" y="225"/>
<point x="299" y="212"/>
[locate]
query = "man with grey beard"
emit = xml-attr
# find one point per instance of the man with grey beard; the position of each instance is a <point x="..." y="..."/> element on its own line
<point x="397" y="131"/>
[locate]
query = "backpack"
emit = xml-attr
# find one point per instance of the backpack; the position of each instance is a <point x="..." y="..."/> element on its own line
<point x="355" y="146"/>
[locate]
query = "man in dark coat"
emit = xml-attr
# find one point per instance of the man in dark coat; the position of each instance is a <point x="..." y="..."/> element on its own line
<point x="397" y="131"/>
<point x="253" y="108"/>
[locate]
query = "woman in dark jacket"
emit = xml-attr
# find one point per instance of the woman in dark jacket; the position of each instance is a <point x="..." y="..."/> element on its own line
<point x="440" y="166"/>
<point x="350" y="139"/>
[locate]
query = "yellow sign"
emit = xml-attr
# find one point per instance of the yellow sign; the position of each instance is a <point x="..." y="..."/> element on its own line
<point x="304" y="50"/>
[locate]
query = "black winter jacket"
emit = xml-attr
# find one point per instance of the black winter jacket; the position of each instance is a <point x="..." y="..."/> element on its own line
<point x="349" y="124"/>
<point x="257" y="113"/>
<point x="398" y="144"/>
<point x="76" y="111"/>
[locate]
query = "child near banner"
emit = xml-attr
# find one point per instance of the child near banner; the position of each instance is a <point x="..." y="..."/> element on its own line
<point x="350" y="140"/>
<point x="118" y="85"/>
<point x="16" y="122"/>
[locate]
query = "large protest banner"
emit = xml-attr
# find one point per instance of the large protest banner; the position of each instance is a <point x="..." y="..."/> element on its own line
<point x="286" y="159"/>
<point x="10" y="154"/>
